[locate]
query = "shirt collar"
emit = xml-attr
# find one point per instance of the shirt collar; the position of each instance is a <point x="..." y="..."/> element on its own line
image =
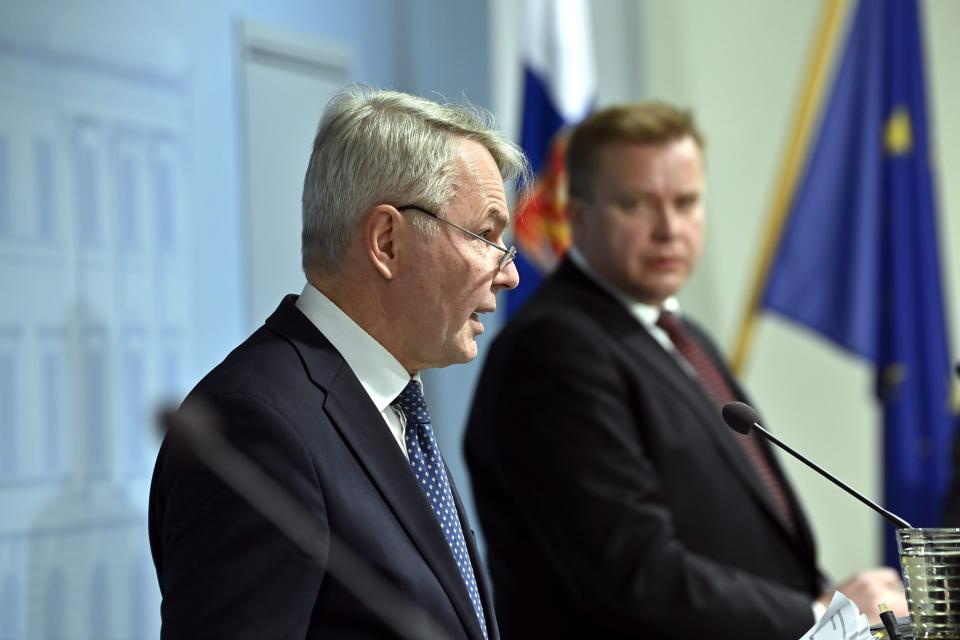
<point x="381" y="374"/>
<point x="647" y="314"/>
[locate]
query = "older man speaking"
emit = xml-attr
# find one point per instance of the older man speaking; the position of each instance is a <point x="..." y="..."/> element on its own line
<point x="404" y="212"/>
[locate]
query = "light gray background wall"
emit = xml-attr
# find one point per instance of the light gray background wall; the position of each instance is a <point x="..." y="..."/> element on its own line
<point x="739" y="65"/>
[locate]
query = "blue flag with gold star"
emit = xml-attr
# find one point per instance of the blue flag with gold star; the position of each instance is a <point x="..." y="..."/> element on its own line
<point x="858" y="258"/>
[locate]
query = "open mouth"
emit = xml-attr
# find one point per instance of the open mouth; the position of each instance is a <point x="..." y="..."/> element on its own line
<point x="476" y="314"/>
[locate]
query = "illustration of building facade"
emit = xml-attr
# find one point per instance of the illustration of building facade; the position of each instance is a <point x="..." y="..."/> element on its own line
<point x="93" y="323"/>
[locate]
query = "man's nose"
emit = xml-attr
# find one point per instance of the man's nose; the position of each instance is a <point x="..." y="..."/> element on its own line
<point x="668" y="221"/>
<point x="507" y="277"/>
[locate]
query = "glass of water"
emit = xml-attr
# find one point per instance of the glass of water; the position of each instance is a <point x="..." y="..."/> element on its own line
<point x="930" y="559"/>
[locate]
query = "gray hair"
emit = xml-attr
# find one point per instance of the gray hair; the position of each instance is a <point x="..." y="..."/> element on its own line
<point x="384" y="147"/>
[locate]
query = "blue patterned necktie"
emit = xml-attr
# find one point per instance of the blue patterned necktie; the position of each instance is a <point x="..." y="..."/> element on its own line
<point x="431" y="474"/>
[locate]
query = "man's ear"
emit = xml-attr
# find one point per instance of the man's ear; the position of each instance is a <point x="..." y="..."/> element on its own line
<point x="381" y="233"/>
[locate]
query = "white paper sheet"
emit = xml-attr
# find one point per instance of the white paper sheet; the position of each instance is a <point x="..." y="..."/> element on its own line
<point x="842" y="621"/>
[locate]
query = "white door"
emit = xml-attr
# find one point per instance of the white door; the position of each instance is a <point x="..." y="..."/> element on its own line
<point x="287" y="80"/>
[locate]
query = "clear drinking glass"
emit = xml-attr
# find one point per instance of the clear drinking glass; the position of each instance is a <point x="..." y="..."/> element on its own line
<point x="930" y="559"/>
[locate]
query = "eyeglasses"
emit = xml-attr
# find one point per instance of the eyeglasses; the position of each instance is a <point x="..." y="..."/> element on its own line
<point x="505" y="259"/>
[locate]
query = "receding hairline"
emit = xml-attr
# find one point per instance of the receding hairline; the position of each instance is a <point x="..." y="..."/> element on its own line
<point x="471" y="167"/>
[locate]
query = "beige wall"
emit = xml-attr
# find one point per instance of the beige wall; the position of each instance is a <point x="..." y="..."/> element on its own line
<point x="738" y="64"/>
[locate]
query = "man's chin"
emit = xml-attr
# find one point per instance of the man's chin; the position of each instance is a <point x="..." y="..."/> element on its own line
<point x="463" y="355"/>
<point x="468" y="351"/>
<point x="655" y="293"/>
<point x="469" y="354"/>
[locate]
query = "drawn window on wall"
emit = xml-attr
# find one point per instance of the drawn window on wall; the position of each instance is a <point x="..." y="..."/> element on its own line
<point x="8" y="415"/>
<point x="53" y="383"/>
<point x="128" y="210"/>
<point x="6" y="196"/>
<point x="89" y="172"/>
<point x="10" y="606"/>
<point x="100" y="602"/>
<point x="95" y="398"/>
<point x="46" y="185"/>
<point x="134" y="400"/>
<point x="55" y="603"/>
<point x="165" y="197"/>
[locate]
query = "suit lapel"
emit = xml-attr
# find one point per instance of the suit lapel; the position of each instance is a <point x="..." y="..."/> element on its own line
<point x="360" y="424"/>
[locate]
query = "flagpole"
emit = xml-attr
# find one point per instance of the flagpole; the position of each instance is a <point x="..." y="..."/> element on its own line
<point x="832" y="18"/>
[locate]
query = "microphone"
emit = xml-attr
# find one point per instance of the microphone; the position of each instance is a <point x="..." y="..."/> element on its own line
<point x="741" y="417"/>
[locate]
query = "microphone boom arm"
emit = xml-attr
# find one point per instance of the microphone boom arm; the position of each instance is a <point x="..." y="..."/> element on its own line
<point x="894" y="519"/>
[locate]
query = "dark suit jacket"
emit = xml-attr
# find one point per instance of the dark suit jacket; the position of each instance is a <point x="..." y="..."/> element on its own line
<point x="614" y="500"/>
<point x="290" y="403"/>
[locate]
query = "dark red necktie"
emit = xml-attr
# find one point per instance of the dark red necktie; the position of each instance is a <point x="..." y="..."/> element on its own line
<point x="717" y="389"/>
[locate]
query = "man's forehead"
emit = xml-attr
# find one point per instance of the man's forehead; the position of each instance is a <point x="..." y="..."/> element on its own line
<point x="684" y="144"/>
<point x="638" y="164"/>
<point x="484" y="171"/>
<point x="479" y="177"/>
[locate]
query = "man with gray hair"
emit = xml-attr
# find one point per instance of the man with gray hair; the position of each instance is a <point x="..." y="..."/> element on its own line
<point x="404" y="212"/>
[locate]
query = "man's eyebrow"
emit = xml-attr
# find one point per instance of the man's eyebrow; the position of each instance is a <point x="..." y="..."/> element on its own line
<point x="499" y="215"/>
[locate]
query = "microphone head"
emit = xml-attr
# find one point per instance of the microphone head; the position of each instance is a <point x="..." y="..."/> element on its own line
<point x="740" y="416"/>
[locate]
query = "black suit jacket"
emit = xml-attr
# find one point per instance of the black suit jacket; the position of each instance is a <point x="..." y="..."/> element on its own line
<point x="289" y="402"/>
<point x="614" y="500"/>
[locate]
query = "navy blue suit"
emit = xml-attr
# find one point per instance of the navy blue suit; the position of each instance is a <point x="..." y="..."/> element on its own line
<point x="614" y="500"/>
<point x="287" y="400"/>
